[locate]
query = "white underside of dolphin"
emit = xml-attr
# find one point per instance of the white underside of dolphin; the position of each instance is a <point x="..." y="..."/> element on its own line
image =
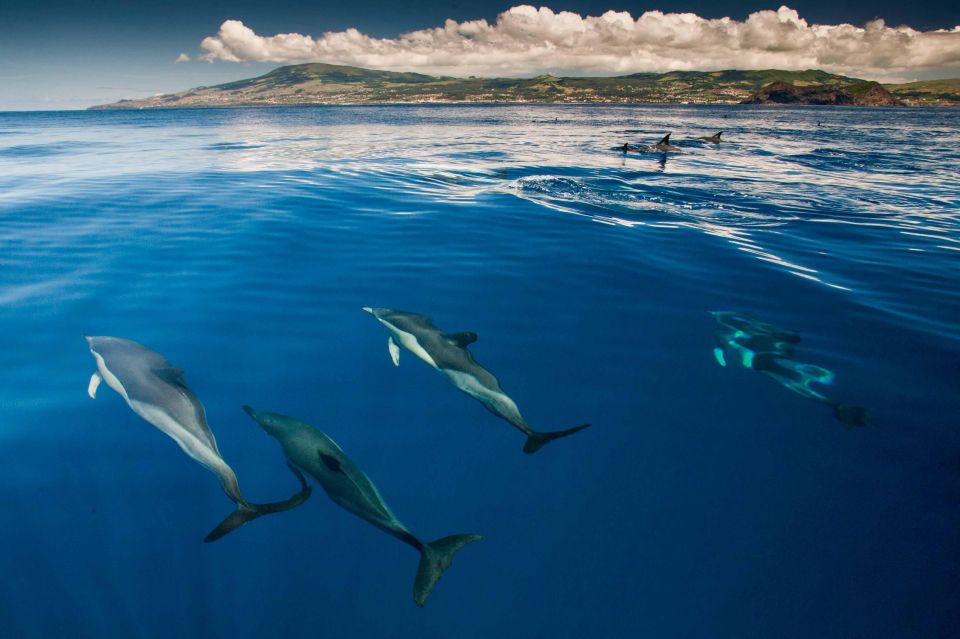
<point x="179" y="414"/>
<point x="463" y="372"/>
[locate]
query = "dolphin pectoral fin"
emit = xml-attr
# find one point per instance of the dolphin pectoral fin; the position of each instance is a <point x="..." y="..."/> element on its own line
<point x="462" y="339"/>
<point x="394" y="349"/>
<point x="718" y="355"/>
<point x="435" y="558"/>
<point x="94" y="384"/>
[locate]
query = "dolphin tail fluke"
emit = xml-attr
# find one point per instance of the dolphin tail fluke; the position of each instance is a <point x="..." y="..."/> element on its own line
<point x="536" y="441"/>
<point x="851" y="416"/>
<point x="237" y="518"/>
<point x="248" y="512"/>
<point x="435" y="558"/>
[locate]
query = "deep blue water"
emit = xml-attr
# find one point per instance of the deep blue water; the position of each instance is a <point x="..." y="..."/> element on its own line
<point x="704" y="501"/>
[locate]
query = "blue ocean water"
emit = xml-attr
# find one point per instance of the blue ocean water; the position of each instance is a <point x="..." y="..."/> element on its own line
<point x="705" y="501"/>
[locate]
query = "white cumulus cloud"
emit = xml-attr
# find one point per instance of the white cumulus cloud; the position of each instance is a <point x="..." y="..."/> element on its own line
<point x="525" y="40"/>
<point x="183" y="57"/>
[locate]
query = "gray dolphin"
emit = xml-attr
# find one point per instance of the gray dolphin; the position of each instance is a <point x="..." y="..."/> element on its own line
<point x="447" y="352"/>
<point x="664" y="146"/>
<point x="712" y="138"/>
<point x="155" y="390"/>
<point x="315" y="453"/>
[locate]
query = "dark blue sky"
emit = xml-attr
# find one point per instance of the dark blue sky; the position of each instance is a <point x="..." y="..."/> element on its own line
<point x="68" y="53"/>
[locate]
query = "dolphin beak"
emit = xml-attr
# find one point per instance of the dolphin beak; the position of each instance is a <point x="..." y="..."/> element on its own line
<point x="369" y="310"/>
<point x="250" y="411"/>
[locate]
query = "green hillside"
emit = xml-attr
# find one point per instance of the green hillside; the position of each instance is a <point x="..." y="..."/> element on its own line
<point x="927" y="92"/>
<point x="336" y="84"/>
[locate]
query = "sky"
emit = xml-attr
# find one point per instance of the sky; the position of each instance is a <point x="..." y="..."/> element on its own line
<point x="65" y="54"/>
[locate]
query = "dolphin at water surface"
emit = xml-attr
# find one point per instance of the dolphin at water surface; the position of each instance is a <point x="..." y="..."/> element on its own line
<point x="664" y="146"/>
<point x="447" y="352"/>
<point x="316" y="454"/>
<point x="712" y="138"/>
<point x="155" y="390"/>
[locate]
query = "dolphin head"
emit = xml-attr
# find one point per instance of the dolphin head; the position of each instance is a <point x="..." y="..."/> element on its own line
<point x="273" y="423"/>
<point x="376" y="312"/>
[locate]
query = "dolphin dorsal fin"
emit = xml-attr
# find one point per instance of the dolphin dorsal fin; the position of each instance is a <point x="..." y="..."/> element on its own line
<point x="718" y="135"/>
<point x="170" y="375"/>
<point x="665" y="140"/>
<point x="462" y="339"/>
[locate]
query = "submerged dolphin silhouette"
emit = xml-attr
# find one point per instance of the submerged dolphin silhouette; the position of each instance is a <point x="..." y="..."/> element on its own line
<point x="155" y="390"/>
<point x="315" y="453"/>
<point x="769" y="349"/>
<point x="447" y="352"/>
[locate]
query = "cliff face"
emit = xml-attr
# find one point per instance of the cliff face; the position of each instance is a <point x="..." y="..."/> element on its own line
<point x="860" y="94"/>
<point x="876" y="95"/>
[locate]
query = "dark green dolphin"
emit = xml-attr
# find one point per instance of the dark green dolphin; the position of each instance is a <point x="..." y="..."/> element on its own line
<point x="316" y="454"/>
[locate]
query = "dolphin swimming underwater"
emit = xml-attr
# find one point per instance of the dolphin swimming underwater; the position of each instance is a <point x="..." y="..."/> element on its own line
<point x="155" y="390"/>
<point x="447" y="352"/>
<point x="712" y="138"/>
<point x="316" y="454"/>
<point x="770" y="350"/>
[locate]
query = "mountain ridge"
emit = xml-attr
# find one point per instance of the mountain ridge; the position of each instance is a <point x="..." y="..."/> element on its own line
<point x="320" y="83"/>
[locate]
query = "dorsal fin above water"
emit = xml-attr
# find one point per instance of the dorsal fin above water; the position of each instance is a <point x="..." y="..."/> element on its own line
<point x="462" y="339"/>
<point x="665" y="140"/>
<point x="718" y="135"/>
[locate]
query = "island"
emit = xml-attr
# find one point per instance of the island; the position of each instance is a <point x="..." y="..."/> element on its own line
<point x="318" y="83"/>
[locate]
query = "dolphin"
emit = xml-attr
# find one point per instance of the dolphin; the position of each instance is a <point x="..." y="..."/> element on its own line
<point x="155" y="390"/>
<point x="664" y="146"/>
<point x="769" y="349"/>
<point x="712" y="138"/>
<point x="447" y="352"/>
<point x="316" y="454"/>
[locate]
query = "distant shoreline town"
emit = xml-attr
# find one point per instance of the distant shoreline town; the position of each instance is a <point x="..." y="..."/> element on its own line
<point x="306" y="84"/>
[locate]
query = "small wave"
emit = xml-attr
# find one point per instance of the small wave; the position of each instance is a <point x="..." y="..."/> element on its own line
<point x="232" y="146"/>
<point x="846" y="160"/>
<point x="43" y="150"/>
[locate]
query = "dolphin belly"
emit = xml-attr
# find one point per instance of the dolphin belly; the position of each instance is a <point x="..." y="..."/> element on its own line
<point x="496" y="402"/>
<point x="409" y="342"/>
<point x="107" y="376"/>
<point x="195" y="448"/>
